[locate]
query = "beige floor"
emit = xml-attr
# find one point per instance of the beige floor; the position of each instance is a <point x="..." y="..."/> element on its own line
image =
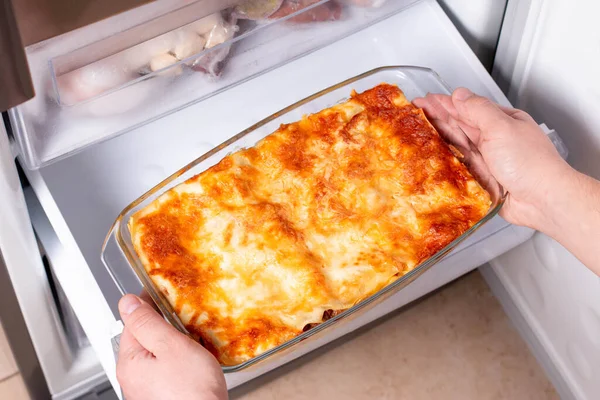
<point x="455" y="344"/>
<point x="11" y="384"/>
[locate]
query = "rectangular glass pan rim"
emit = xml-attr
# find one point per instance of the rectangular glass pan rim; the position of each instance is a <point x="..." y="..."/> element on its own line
<point x="403" y="281"/>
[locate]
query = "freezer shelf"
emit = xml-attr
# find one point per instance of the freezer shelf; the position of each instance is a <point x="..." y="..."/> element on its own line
<point x="84" y="193"/>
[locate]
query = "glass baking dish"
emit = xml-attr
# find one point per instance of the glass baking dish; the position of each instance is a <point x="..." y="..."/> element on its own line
<point x="129" y="274"/>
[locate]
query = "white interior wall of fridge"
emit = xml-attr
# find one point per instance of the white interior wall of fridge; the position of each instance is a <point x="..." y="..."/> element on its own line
<point x="479" y="23"/>
<point x="547" y="63"/>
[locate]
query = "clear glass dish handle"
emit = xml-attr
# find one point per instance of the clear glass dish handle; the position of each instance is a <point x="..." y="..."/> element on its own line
<point x="118" y="267"/>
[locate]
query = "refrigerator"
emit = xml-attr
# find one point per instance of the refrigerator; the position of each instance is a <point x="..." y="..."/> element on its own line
<point x="81" y="139"/>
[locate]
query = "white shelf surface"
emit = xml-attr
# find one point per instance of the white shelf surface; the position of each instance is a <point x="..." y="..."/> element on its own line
<point x="83" y="194"/>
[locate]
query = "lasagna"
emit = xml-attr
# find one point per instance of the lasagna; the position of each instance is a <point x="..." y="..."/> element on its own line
<point x="316" y="217"/>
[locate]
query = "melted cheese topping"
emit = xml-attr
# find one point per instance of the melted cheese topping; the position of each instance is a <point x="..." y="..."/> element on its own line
<point x="316" y="217"/>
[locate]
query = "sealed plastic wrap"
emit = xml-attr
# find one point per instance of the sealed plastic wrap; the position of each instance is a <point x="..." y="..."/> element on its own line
<point x="126" y="268"/>
<point x="221" y="32"/>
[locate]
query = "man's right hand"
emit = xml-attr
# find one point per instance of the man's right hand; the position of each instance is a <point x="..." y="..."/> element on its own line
<point x="518" y="153"/>
<point x="544" y="192"/>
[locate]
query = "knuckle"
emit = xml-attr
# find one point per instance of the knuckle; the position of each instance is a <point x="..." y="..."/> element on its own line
<point x="523" y="116"/>
<point x="482" y="103"/>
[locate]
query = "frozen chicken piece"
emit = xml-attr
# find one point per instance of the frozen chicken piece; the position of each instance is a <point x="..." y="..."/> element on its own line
<point x="88" y="82"/>
<point x="187" y="44"/>
<point x="168" y="49"/>
<point x="163" y="61"/>
<point x="220" y="34"/>
<point x="138" y="57"/>
<point x="205" y="25"/>
<point x="91" y="80"/>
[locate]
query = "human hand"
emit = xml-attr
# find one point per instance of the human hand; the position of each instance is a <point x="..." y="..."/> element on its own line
<point x="518" y="153"/>
<point x="156" y="361"/>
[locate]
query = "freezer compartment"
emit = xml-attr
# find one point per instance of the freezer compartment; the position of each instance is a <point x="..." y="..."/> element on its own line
<point x="92" y="86"/>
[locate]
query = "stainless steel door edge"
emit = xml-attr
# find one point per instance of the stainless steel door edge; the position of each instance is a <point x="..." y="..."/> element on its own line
<point x="15" y="79"/>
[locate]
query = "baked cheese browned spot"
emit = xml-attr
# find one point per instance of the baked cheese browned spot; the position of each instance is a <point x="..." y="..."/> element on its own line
<point x="316" y="217"/>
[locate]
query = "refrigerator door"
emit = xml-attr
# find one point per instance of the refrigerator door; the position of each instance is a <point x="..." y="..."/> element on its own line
<point x="54" y="370"/>
<point x="14" y="73"/>
<point x="479" y="23"/>
<point x="547" y="63"/>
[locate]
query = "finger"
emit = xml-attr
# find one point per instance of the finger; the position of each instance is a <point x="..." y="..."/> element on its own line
<point x="421" y="102"/>
<point x="474" y="134"/>
<point x="479" y="112"/>
<point x="439" y="109"/>
<point x="130" y="349"/>
<point x="436" y="106"/>
<point x="442" y="114"/>
<point x="147" y="326"/>
<point x="145" y="296"/>
<point x="516" y="114"/>
<point x="441" y="106"/>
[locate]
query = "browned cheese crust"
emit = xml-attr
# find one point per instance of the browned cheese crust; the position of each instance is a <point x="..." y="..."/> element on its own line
<point x="316" y="217"/>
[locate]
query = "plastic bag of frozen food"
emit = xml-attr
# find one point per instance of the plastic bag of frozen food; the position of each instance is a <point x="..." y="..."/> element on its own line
<point x="192" y="39"/>
<point x="223" y="30"/>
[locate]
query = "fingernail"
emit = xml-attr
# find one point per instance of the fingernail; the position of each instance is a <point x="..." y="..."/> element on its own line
<point x="463" y="94"/>
<point x="129" y="304"/>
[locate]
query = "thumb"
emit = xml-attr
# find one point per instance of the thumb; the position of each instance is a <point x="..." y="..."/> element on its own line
<point x="145" y="325"/>
<point x="479" y="112"/>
